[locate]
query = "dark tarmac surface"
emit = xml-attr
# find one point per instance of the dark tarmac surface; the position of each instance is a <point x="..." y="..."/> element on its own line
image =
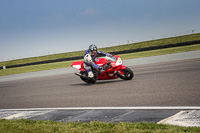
<point x="175" y="83"/>
<point x="109" y="116"/>
<point x="106" y="116"/>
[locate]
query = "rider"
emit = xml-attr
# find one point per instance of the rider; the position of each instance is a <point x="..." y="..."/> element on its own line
<point x="89" y="59"/>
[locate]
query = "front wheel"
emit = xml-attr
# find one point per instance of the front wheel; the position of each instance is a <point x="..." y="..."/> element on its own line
<point x="128" y="74"/>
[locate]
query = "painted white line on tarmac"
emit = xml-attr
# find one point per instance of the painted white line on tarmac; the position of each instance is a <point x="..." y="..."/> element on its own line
<point x="26" y="114"/>
<point x="109" y="108"/>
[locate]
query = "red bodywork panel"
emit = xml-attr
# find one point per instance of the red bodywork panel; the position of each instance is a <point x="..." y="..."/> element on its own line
<point x="78" y="65"/>
<point x="101" y="61"/>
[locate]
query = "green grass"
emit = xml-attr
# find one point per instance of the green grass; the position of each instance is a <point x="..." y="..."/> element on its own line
<point x="123" y="56"/>
<point x="34" y="68"/>
<point x="42" y="58"/>
<point x="30" y="126"/>
<point x="158" y="42"/>
<point x="161" y="51"/>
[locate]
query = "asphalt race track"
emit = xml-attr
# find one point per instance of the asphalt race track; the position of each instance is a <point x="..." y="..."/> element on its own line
<point x="172" y="83"/>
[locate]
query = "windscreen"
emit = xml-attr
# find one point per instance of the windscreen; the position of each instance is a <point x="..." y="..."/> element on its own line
<point x="111" y="58"/>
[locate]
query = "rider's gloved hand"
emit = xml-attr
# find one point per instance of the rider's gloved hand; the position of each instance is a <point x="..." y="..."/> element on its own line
<point x="100" y="68"/>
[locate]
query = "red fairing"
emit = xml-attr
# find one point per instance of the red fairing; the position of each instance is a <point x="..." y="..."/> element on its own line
<point x="78" y="65"/>
<point x="123" y="67"/>
<point x="101" y="61"/>
<point x="106" y="75"/>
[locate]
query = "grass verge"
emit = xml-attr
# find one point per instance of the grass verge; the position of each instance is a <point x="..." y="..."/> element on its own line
<point x="49" y="66"/>
<point x="32" y="126"/>
<point x="159" y="42"/>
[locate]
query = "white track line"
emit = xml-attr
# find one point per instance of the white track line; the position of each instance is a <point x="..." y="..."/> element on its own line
<point x="26" y="114"/>
<point x="110" y="108"/>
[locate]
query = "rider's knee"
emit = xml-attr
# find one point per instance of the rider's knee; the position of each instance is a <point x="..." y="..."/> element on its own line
<point x="90" y="74"/>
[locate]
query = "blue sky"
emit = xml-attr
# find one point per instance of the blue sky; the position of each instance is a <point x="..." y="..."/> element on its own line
<point x="30" y="28"/>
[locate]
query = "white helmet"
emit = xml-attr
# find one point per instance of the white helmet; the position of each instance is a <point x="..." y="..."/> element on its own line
<point x="88" y="59"/>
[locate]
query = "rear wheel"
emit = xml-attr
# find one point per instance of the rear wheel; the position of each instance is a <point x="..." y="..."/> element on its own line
<point x="128" y="74"/>
<point x="88" y="80"/>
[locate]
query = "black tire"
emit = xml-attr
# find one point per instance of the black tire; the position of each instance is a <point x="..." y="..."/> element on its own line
<point x="89" y="80"/>
<point x="128" y="74"/>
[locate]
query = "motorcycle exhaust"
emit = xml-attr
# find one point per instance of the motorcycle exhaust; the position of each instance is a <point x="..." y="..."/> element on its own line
<point x="80" y="75"/>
